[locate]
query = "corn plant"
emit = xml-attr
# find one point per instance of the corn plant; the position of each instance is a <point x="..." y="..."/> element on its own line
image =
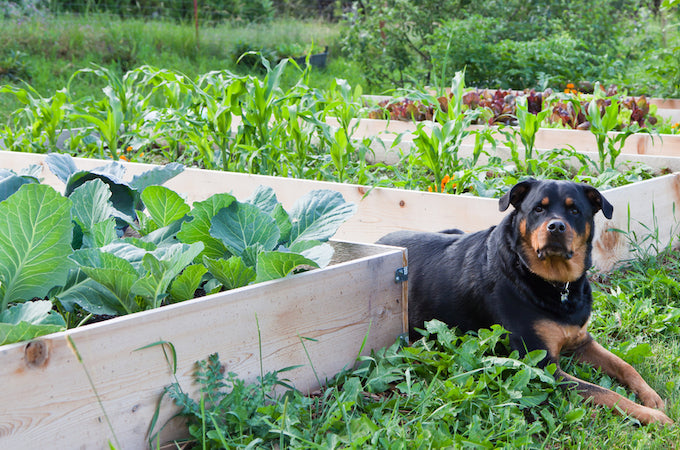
<point x="603" y="122"/>
<point x="120" y="114"/>
<point x="438" y="147"/>
<point x="219" y="103"/>
<point x="529" y="125"/>
<point x="39" y="123"/>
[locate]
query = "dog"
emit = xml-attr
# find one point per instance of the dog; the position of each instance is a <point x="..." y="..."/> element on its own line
<point x="527" y="274"/>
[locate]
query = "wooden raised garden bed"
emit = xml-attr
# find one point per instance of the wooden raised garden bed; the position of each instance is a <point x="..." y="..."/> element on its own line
<point x="102" y="383"/>
<point x="49" y="395"/>
<point x="260" y="327"/>
<point x="664" y="145"/>
<point x="651" y="203"/>
<point x="546" y="138"/>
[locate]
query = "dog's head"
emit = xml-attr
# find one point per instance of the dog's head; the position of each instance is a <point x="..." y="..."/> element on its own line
<point x="554" y="226"/>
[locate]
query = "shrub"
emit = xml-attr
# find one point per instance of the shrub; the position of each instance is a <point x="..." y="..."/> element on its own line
<point x="398" y="43"/>
<point x="546" y="61"/>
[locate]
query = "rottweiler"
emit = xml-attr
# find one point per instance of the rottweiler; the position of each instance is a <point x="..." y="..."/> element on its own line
<point x="527" y="274"/>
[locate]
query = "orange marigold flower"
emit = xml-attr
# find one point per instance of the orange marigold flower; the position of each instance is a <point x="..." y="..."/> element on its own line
<point x="124" y="158"/>
<point x="570" y="86"/>
<point x="445" y="180"/>
<point x="128" y="148"/>
<point x="429" y="189"/>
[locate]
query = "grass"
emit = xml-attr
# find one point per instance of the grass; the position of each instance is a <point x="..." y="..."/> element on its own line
<point x="449" y="390"/>
<point x="52" y="48"/>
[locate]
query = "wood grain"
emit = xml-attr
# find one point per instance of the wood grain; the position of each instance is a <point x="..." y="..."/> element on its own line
<point x="256" y="328"/>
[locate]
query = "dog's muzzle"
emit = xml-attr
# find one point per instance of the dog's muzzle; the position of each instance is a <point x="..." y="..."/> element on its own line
<point x="555" y="238"/>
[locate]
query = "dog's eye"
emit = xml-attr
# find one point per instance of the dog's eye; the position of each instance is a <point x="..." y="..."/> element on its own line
<point x="574" y="211"/>
<point x="538" y="209"/>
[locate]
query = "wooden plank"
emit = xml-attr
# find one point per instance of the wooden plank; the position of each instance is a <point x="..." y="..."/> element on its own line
<point x="50" y="403"/>
<point x="665" y="103"/>
<point x="546" y="138"/>
<point x="383" y="210"/>
<point x="672" y="114"/>
<point x="380" y="210"/>
<point x="642" y="209"/>
<point x="390" y="153"/>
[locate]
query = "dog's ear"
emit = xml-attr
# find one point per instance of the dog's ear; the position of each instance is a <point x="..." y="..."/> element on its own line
<point x="598" y="201"/>
<point x="515" y="195"/>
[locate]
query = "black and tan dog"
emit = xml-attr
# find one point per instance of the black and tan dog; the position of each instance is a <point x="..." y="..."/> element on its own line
<point x="527" y="274"/>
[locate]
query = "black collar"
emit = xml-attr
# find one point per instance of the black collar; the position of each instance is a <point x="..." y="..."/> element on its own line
<point x="563" y="287"/>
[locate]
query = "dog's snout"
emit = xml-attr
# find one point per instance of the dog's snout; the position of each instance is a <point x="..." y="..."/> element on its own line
<point x="556" y="226"/>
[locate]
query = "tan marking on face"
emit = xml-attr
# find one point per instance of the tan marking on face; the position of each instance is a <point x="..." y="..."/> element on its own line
<point x="523" y="227"/>
<point x="556" y="268"/>
<point x="545" y="201"/>
<point x="558" y="337"/>
<point x="569" y="201"/>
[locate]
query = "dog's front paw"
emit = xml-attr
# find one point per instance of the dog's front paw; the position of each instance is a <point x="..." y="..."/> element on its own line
<point x="651" y="399"/>
<point x="655" y="416"/>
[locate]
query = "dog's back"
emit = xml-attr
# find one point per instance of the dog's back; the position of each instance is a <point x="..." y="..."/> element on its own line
<point x="440" y="264"/>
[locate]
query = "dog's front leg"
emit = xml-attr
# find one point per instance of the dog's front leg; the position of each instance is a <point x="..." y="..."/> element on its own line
<point x="594" y="354"/>
<point x="598" y="356"/>
<point x="611" y="399"/>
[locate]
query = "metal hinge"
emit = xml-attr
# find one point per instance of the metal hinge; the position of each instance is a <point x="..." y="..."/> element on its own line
<point x="401" y="274"/>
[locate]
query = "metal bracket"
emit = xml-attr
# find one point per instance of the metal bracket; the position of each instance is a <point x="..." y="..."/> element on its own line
<point x="401" y="274"/>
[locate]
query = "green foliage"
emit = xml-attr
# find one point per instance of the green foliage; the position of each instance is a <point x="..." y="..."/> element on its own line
<point x="68" y="248"/>
<point x="35" y="238"/>
<point x="259" y="240"/>
<point x="603" y="120"/>
<point x="446" y="390"/>
<point x="247" y="124"/>
<point x="453" y="390"/>
<point x="25" y="321"/>
<point x="181" y="10"/>
<point x="641" y="296"/>
<point x="390" y="49"/>
<point x="198" y="229"/>
<point x="10" y="182"/>
<point x="529" y="124"/>
<point x="13" y="66"/>
<point x="510" y="44"/>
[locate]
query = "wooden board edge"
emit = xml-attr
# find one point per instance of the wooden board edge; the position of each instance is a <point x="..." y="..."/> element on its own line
<point x="113" y="364"/>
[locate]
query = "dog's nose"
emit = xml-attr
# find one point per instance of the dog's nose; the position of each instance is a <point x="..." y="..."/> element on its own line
<point x="556" y="226"/>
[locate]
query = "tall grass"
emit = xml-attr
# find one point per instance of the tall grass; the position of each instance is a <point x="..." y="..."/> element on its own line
<point x="53" y="48"/>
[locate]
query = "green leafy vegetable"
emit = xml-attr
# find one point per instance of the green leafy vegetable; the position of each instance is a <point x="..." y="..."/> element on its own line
<point x="35" y="242"/>
<point x="198" y="229"/>
<point x="162" y="266"/>
<point x="274" y="265"/>
<point x="116" y="276"/>
<point x="242" y="225"/>
<point x="185" y="285"/>
<point x="232" y="273"/>
<point x="11" y="182"/>
<point x="218" y="244"/>
<point x="318" y="214"/>
<point x="125" y="197"/>
<point x="164" y="205"/>
<point x="92" y="211"/>
<point x="29" y="320"/>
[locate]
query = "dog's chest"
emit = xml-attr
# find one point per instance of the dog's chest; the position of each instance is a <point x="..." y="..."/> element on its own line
<point x="560" y="337"/>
